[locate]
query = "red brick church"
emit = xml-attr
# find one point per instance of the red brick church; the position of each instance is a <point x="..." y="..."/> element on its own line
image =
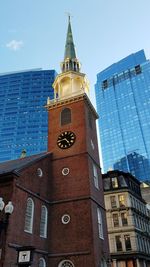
<point x="56" y="202"/>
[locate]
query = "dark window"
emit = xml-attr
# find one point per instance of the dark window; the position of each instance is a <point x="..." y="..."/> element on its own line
<point x="105" y="84"/>
<point x="106" y="182"/>
<point x="118" y="243"/>
<point x="113" y="201"/>
<point x="124" y="218"/>
<point x="65" y="116"/>
<point x="138" y="69"/>
<point x="127" y="242"/>
<point x="122" y="181"/>
<point x="115" y="219"/>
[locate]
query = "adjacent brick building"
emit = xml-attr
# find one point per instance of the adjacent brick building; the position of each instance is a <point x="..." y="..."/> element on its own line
<point x="25" y="182"/>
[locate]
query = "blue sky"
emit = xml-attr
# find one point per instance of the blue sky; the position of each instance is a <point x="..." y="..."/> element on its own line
<point x="33" y="33"/>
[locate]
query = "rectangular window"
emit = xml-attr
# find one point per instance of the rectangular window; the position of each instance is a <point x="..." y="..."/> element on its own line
<point x="124" y="219"/>
<point x="113" y="202"/>
<point x="118" y="243"/>
<point x="127" y="242"/>
<point x="115" y="219"/>
<point x="100" y="223"/>
<point x="95" y="176"/>
<point x="121" y="200"/>
<point x="114" y="182"/>
<point x="106" y="183"/>
<point x="105" y="84"/>
<point x="138" y="69"/>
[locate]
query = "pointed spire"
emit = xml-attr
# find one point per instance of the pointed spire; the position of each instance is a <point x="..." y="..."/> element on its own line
<point x="70" y="62"/>
<point x="69" y="48"/>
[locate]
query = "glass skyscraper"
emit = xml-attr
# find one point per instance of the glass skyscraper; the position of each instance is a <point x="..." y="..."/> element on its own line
<point x="23" y="118"/>
<point x="123" y="104"/>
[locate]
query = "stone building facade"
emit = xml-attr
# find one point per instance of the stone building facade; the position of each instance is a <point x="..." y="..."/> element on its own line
<point x="128" y="220"/>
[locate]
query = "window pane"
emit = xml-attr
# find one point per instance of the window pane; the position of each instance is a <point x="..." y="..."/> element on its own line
<point x="42" y="263"/>
<point x="114" y="182"/>
<point x="124" y="218"/>
<point x="29" y="216"/>
<point x="95" y="176"/>
<point x="127" y="242"/>
<point x="122" y="181"/>
<point x="113" y="201"/>
<point x="115" y="220"/>
<point x="43" y="222"/>
<point x="100" y="225"/>
<point x="106" y="183"/>
<point x="118" y="243"/>
<point x="65" y="116"/>
<point x="121" y="201"/>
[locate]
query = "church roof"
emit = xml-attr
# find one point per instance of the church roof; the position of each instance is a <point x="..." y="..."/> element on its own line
<point x="69" y="47"/>
<point x="19" y="164"/>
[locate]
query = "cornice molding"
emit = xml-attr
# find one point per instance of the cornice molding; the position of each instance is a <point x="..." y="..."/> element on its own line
<point x="55" y="103"/>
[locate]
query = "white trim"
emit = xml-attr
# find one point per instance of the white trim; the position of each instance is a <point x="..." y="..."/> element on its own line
<point x="100" y="223"/>
<point x="44" y="225"/>
<point x="43" y="262"/>
<point x="62" y="262"/>
<point x="29" y="228"/>
<point x="65" y="171"/>
<point x="63" y="219"/>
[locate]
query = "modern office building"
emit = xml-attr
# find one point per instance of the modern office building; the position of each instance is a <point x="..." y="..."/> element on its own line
<point x="128" y="220"/>
<point x="123" y="104"/>
<point x="23" y="119"/>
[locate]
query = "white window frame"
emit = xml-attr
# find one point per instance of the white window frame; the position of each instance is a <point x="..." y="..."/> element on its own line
<point x="62" y="262"/>
<point x="95" y="176"/>
<point x="103" y="263"/>
<point x="29" y="214"/>
<point x="43" y="222"/>
<point x="100" y="224"/>
<point x="43" y="262"/>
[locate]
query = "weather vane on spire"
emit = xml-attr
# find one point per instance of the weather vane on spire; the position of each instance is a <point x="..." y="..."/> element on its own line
<point x="69" y="15"/>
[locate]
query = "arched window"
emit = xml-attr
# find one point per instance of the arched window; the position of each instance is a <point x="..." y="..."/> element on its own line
<point x="42" y="262"/>
<point x="103" y="263"/>
<point x="100" y="224"/>
<point x="29" y="216"/>
<point x="65" y="116"/>
<point x="66" y="263"/>
<point x="43" y="222"/>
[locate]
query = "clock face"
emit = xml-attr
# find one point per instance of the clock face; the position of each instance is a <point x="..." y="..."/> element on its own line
<point x="66" y="140"/>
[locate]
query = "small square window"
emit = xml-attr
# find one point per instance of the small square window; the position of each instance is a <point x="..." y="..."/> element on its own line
<point x="105" y="84"/>
<point x="138" y="69"/>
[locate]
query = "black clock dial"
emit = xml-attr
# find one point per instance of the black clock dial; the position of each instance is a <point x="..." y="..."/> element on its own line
<point x="66" y="140"/>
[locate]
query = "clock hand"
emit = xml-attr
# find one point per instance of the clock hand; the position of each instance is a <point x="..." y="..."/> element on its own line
<point x="63" y="140"/>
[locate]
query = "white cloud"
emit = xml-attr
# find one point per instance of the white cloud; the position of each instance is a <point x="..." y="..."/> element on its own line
<point x="14" y="45"/>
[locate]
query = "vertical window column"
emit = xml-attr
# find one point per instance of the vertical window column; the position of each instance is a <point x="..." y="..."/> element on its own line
<point x="100" y="223"/>
<point x="95" y="176"/>
<point x="43" y="222"/>
<point x="29" y="216"/>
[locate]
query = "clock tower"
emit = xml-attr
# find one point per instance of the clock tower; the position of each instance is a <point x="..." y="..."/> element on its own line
<point x="78" y="234"/>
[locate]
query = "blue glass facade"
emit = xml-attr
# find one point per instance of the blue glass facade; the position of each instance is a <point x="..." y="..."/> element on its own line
<point x="23" y="118"/>
<point x="123" y="104"/>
